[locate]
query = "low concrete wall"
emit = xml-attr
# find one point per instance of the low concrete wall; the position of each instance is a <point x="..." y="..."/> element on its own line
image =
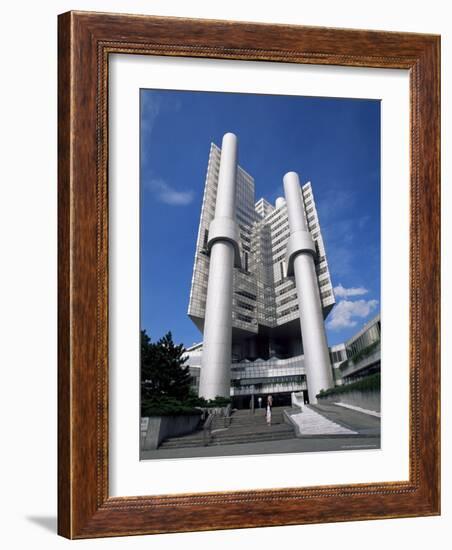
<point x="287" y="415"/>
<point x="161" y="427"/>
<point x="369" y="400"/>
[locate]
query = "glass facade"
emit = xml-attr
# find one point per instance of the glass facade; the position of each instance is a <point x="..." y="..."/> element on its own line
<point x="363" y="353"/>
<point x="369" y="335"/>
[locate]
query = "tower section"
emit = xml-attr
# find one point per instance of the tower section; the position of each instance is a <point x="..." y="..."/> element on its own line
<point x="224" y="252"/>
<point x="249" y="240"/>
<point x="300" y="256"/>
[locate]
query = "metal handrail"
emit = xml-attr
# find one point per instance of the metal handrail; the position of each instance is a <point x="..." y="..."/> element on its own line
<point x="225" y="412"/>
<point x="227" y="416"/>
<point x="207" y="428"/>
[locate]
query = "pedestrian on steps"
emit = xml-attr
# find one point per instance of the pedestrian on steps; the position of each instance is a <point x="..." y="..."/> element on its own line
<point x="269" y="409"/>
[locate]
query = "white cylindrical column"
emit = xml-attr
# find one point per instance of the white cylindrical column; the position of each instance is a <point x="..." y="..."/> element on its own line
<point x="316" y="355"/>
<point x="225" y="203"/>
<point x="215" y="377"/>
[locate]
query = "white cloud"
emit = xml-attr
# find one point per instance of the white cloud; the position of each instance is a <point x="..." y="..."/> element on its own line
<point x="342" y="292"/>
<point x="346" y="311"/>
<point x="168" y="195"/>
<point x="333" y="200"/>
<point x="339" y="238"/>
<point x="150" y="109"/>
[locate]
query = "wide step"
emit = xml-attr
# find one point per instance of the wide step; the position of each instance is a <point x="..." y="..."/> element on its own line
<point x="243" y="428"/>
<point x="231" y="440"/>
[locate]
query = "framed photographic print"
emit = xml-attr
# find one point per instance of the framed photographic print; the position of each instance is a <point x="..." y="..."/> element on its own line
<point x="248" y="275"/>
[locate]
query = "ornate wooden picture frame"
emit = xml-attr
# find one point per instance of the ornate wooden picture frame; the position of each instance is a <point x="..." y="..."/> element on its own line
<point x="86" y="40"/>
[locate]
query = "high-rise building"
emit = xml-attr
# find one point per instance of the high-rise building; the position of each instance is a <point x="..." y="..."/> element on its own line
<point x="261" y="286"/>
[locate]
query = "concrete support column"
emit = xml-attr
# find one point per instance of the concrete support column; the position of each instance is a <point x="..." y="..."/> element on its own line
<point x="215" y="377"/>
<point x="300" y="262"/>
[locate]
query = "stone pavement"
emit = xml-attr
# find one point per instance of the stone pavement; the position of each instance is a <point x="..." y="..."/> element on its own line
<point x="355" y="408"/>
<point x="310" y="422"/>
<point x="358" y="421"/>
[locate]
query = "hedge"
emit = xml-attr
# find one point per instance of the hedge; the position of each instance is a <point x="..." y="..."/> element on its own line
<point x="166" y="407"/>
<point x="170" y="406"/>
<point x="360" y="354"/>
<point x="370" y="383"/>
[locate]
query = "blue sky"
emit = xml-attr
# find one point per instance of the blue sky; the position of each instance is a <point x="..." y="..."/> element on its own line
<point x="332" y="142"/>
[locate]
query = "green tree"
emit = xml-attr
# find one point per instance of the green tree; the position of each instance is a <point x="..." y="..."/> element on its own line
<point x="163" y="370"/>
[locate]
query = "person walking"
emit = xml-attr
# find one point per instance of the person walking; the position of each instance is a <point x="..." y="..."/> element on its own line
<point x="269" y="415"/>
<point x="269" y="410"/>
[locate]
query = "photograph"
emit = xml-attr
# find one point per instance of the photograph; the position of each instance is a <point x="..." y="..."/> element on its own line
<point x="260" y="272"/>
<point x="225" y="233"/>
<point x="241" y="205"/>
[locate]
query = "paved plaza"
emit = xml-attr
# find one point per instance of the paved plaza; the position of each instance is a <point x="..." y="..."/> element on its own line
<point x="339" y="429"/>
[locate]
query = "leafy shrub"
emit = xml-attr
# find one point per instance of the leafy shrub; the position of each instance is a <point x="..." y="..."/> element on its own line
<point x="370" y="383"/>
<point x="219" y="401"/>
<point x="362" y="354"/>
<point x="167" y="406"/>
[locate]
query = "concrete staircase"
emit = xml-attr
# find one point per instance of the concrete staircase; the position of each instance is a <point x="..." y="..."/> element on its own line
<point x="244" y="428"/>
